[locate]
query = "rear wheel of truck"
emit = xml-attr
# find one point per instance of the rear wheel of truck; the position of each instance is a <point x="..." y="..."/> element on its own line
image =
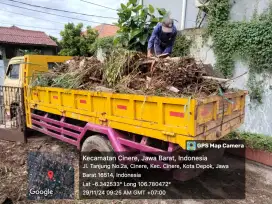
<point x="97" y="145"/>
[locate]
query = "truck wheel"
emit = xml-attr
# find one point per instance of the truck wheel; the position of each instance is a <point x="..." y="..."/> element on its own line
<point x="97" y="143"/>
<point x="100" y="146"/>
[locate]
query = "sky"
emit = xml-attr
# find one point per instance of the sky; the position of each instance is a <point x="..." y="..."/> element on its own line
<point x="52" y="25"/>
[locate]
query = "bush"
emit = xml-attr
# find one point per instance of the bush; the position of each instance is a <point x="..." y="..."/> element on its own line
<point x="182" y="46"/>
<point x="106" y="44"/>
<point x="254" y="141"/>
<point x="74" y="43"/>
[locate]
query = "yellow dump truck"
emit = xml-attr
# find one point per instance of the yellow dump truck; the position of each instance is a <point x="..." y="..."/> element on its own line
<point x="102" y="121"/>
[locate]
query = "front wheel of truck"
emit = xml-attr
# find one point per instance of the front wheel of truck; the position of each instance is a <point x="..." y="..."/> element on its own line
<point x="99" y="146"/>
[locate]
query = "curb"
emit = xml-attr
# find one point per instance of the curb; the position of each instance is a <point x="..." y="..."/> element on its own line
<point x="259" y="156"/>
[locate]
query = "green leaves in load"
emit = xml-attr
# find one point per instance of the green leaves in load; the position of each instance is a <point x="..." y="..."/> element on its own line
<point x="136" y="25"/>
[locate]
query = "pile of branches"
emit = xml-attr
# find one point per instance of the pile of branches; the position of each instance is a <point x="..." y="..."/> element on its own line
<point x="168" y="77"/>
<point x="77" y="73"/>
<point x="130" y="72"/>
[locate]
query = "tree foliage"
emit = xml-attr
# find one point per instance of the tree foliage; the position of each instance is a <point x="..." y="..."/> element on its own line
<point x="106" y="44"/>
<point x="55" y="39"/>
<point x="74" y="42"/>
<point x="136" y="24"/>
<point x="57" y="42"/>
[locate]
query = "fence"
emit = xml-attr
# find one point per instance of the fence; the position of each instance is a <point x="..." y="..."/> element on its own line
<point x="11" y="107"/>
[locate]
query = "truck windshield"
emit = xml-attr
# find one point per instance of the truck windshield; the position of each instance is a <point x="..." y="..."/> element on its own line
<point x="13" y="71"/>
<point x="51" y="65"/>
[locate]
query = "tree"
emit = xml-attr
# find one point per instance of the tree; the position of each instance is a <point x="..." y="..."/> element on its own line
<point x="74" y="42"/>
<point x="136" y="24"/>
<point x="55" y="39"/>
<point x="57" y="42"/>
<point x="106" y="44"/>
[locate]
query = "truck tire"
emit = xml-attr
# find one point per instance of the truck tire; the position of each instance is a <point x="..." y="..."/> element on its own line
<point x="97" y="143"/>
<point x="101" y="146"/>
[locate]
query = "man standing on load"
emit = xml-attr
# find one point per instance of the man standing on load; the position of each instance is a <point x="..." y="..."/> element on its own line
<point x="163" y="38"/>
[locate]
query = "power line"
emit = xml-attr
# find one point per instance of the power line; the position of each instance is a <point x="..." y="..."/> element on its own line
<point x="54" y="14"/>
<point x="31" y="16"/>
<point x="31" y="26"/>
<point x="54" y="9"/>
<point x="98" y="5"/>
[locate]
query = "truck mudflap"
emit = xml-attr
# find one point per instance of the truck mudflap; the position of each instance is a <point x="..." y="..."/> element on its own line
<point x="12" y="116"/>
<point x="185" y="174"/>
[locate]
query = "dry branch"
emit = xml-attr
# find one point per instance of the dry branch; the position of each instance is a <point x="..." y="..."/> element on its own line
<point x="132" y="72"/>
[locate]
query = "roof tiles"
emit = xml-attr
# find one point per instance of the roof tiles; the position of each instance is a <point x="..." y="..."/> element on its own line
<point x="15" y="35"/>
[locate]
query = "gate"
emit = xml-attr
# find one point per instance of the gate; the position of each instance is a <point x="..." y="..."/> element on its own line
<point x="12" y="114"/>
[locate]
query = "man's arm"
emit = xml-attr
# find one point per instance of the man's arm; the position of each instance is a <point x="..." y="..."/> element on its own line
<point x="152" y="39"/>
<point x="168" y="50"/>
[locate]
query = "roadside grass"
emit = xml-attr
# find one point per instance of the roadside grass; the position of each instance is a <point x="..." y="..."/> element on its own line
<point x="254" y="141"/>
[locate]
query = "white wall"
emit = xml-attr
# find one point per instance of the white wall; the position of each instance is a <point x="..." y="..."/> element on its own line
<point x="244" y="9"/>
<point x="173" y="6"/>
<point x="191" y="14"/>
<point x="259" y="118"/>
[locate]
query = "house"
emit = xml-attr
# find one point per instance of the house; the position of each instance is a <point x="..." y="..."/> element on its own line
<point x="14" y="40"/>
<point x="105" y="30"/>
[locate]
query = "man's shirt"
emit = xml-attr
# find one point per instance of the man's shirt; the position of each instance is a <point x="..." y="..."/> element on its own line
<point x="154" y="40"/>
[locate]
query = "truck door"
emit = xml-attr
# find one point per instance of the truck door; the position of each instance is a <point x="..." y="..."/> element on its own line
<point x="12" y="115"/>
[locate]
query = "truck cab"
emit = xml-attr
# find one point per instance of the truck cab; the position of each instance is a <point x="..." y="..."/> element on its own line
<point x="14" y="73"/>
<point x="17" y="77"/>
<point x="30" y="64"/>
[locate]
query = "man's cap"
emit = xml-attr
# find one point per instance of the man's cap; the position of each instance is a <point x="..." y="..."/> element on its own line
<point x="167" y="25"/>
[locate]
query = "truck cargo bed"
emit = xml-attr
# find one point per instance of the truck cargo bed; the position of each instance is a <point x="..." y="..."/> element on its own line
<point x="173" y="120"/>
